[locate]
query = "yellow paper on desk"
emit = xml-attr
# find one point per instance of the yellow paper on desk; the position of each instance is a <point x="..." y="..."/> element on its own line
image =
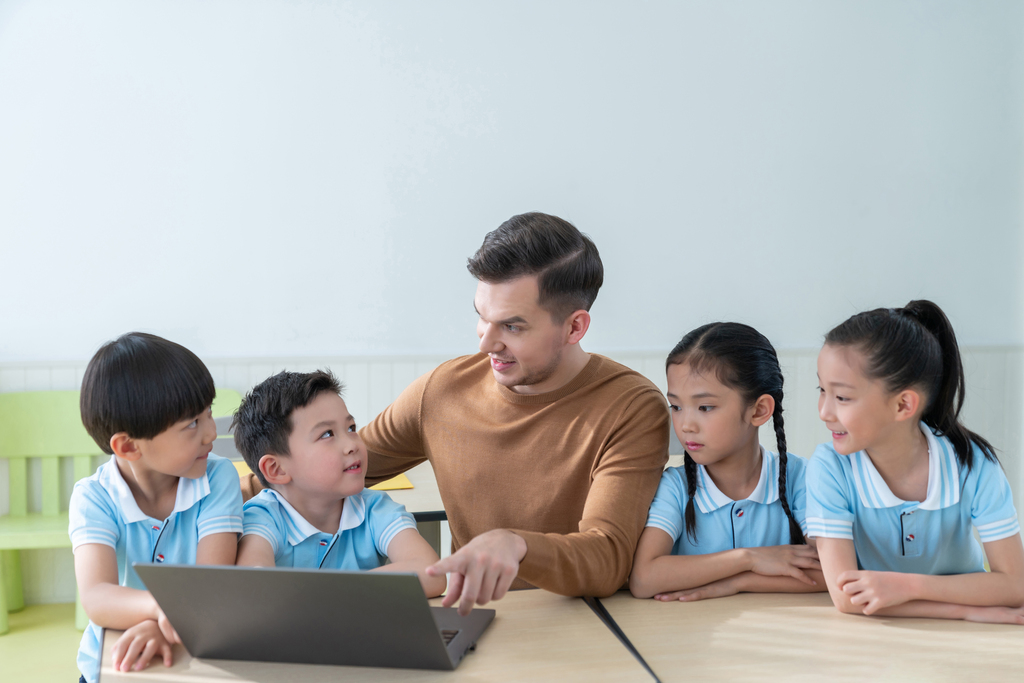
<point x="394" y="484"/>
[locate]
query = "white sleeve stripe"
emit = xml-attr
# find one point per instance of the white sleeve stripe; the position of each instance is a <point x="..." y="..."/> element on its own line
<point x="843" y="523"/>
<point x="814" y="532"/>
<point x="1000" y="533"/>
<point x="263" y="532"/>
<point x="393" y="529"/>
<point x="84" y="537"/>
<point x="663" y="523"/>
<point x="992" y="525"/>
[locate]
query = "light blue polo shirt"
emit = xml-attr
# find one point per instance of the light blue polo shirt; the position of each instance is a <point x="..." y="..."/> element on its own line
<point x="849" y="499"/>
<point x="103" y="510"/>
<point x="370" y="520"/>
<point x="724" y="523"/>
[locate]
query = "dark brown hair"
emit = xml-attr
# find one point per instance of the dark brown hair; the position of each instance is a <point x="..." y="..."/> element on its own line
<point x="566" y="261"/>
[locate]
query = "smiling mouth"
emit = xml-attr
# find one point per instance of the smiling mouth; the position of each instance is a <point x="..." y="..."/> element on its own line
<point x="354" y="467"/>
<point x="693" y="445"/>
<point x="500" y="364"/>
<point x="838" y="435"/>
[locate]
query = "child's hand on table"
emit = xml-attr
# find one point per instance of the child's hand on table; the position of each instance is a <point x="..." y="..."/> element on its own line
<point x="139" y="644"/>
<point x="874" y="590"/>
<point x="716" y="589"/>
<point x="784" y="560"/>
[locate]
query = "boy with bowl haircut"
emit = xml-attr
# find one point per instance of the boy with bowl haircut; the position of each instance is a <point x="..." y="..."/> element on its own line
<point x="162" y="497"/>
<point x="297" y="436"/>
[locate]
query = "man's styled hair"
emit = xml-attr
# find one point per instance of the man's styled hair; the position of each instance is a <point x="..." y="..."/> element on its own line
<point x="263" y="421"/>
<point x="142" y="384"/>
<point x="565" y="260"/>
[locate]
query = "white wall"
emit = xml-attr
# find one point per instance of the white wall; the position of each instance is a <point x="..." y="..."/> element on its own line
<point x="258" y="178"/>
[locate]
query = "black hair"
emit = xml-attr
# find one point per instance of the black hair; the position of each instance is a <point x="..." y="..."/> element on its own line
<point x="743" y="359"/>
<point x="915" y="346"/>
<point x="263" y="421"/>
<point x="142" y="384"/>
<point x="566" y="261"/>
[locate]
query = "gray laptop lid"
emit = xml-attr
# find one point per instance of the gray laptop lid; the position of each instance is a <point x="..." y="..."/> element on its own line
<point x="310" y="616"/>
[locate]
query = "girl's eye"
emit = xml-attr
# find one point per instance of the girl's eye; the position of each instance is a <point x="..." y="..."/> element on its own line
<point x="674" y="409"/>
<point x="820" y="390"/>
<point x="706" y="409"/>
<point x="328" y="433"/>
<point x="352" y="428"/>
<point x="842" y="398"/>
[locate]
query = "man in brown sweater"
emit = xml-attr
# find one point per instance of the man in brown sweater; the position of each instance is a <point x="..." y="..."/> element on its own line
<point x="546" y="457"/>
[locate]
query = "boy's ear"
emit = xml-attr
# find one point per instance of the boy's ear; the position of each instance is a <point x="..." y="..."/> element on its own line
<point x="125" y="446"/>
<point x="273" y="469"/>
<point x="764" y="408"/>
<point x="906" y="404"/>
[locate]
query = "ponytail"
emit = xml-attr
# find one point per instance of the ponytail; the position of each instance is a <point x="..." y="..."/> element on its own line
<point x="690" y="516"/>
<point x="796" y="534"/>
<point x="915" y="346"/>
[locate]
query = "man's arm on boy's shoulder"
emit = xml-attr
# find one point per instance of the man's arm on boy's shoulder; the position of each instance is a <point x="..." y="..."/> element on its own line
<point x="393" y="439"/>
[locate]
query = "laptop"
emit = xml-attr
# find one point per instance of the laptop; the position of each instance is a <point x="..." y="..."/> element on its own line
<point x="311" y="616"/>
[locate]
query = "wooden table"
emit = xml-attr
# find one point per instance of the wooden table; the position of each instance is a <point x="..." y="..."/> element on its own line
<point x="784" y="637"/>
<point x="535" y="635"/>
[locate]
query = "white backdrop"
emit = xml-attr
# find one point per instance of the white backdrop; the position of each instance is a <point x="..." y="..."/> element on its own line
<point x="269" y="178"/>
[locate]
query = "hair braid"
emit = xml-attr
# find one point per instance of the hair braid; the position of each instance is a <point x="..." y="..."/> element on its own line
<point x="796" y="535"/>
<point x="690" y="515"/>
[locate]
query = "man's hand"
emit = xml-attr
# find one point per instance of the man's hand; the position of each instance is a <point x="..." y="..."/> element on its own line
<point x="138" y="645"/>
<point x="872" y="591"/>
<point x="482" y="570"/>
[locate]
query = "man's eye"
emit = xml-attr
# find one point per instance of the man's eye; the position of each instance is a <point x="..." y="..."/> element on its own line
<point x="512" y="328"/>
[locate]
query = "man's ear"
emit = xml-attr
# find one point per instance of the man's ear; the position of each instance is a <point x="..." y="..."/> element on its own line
<point x="764" y="408"/>
<point x="125" y="446"/>
<point x="906" y="404"/>
<point x="273" y="469"/>
<point x="579" y="323"/>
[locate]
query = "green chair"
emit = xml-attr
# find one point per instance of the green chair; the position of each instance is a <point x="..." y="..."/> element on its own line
<point x="46" y="425"/>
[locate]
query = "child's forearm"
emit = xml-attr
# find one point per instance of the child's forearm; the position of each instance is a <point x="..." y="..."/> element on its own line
<point x="980" y="588"/>
<point x="669" y="573"/>
<point x="112" y="606"/>
<point x="750" y="582"/>
<point x="432" y="585"/>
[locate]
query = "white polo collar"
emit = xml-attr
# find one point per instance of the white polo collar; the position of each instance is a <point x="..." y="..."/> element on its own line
<point x="943" y="477"/>
<point x="353" y="512"/>
<point x="190" y="492"/>
<point x="709" y="498"/>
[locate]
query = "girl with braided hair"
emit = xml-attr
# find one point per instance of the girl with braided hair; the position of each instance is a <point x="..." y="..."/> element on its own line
<point x="894" y="498"/>
<point x="730" y="519"/>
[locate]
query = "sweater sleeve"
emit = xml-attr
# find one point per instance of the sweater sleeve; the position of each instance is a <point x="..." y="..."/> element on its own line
<point x="597" y="560"/>
<point x="394" y="441"/>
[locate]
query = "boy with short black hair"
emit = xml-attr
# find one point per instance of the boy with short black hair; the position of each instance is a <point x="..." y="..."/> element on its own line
<point x="297" y="435"/>
<point x="162" y="497"/>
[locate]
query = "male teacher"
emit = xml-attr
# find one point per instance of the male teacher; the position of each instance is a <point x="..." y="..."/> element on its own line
<point x="546" y="457"/>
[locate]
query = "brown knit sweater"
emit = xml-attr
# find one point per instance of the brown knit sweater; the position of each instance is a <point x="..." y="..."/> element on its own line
<point x="572" y="471"/>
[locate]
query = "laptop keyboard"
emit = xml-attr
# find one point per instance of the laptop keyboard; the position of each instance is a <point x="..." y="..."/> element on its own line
<point x="449" y="635"/>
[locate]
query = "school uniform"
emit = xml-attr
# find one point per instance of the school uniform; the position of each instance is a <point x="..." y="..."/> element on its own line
<point x="724" y="523"/>
<point x="849" y="499"/>
<point x="370" y="520"/>
<point x="103" y="510"/>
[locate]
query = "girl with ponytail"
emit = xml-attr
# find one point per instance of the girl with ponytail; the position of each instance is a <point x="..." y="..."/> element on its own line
<point x="893" y="498"/>
<point x="729" y="520"/>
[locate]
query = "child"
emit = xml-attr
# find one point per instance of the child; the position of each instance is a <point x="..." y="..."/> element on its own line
<point x="296" y="434"/>
<point x="160" y="498"/>
<point x="724" y="382"/>
<point x="894" y="496"/>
